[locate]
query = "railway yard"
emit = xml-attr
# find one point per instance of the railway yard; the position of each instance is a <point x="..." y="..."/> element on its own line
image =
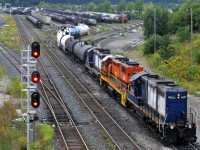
<point x="85" y="116"/>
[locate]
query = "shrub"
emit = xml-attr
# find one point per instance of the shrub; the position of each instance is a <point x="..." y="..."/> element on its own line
<point x="44" y="137"/>
<point x="183" y="33"/>
<point x="14" y="89"/>
<point x="197" y="56"/>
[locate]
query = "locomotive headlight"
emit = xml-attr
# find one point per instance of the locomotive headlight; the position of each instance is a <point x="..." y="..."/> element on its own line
<point x="189" y="126"/>
<point x="178" y="96"/>
<point x="171" y="127"/>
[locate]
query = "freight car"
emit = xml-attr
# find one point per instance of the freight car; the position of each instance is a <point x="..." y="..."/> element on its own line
<point x="58" y="18"/>
<point x="34" y="21"/>
<point x="159" y="101"/>
<point x="44" y="18"/>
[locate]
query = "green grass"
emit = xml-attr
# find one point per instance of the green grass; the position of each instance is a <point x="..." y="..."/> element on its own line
<point x="9" y="36"/>
<point x="108" y="141"/>
<point x="11" y="137"/>
<point x="44" y="138"/>
<point x="3" y="70"/>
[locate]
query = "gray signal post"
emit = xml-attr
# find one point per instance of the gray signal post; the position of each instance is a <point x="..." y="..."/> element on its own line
<point x="28" y="65"/>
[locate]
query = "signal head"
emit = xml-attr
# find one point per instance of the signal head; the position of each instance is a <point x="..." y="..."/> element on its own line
<point x="35" y="99"/>
<point x="35" y="49"/>
<point x="35" y="77"/>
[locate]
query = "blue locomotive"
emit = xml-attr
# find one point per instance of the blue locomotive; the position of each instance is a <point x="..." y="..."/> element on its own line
<point x="163" y="105"/>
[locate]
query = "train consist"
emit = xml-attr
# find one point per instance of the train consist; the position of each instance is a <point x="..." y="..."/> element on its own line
<point x="161" y="102"/>
<point x="88" y="18"/>
<point x="35" y="21"/>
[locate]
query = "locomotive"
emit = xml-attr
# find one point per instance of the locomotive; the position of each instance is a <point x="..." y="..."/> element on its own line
<point x="34" y="21"/>
<point x="161" y="102"/>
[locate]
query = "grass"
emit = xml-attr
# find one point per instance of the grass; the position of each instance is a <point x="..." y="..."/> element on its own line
<point x="9" y="36"/>
<point x="108" y="141"/>
<point x="11" y="137"/>
<point x="3" y="70"/>
<point x="44" y="137"/>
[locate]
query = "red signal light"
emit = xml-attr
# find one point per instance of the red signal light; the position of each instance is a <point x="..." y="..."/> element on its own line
<point x="35" y="100"/>
<point x="35" y="77"/>
<point x="35" y="49"/>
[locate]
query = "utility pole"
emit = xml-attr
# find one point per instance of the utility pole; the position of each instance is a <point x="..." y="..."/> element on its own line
<point x="154" y="31"/>
<point x="191" y="40"/>
<point x="122" y="23"/>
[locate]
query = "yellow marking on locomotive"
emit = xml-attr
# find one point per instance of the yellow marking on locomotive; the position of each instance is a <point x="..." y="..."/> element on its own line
<point x="119" y="88"/>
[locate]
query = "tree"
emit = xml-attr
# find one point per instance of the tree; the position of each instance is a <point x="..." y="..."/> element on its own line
<point x="121" y="6"/>
<point x="149" y="46"/>
<point x="130" y="6"/>
<point x="161" y="16"/>
<point x="92" y="6"/>
<point x="107" y="6"/>
<point x="197" y="56"/>
<point x="139" y="5"/>
<point x="182" y="17"/>
<point x="183" y="33"/>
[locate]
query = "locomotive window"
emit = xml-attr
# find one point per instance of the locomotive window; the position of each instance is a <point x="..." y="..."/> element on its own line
<point x="160" y="93"/>
<point x="124" y="69"/>
<point x="171" y="97"/>
<point x="183" y="97"/>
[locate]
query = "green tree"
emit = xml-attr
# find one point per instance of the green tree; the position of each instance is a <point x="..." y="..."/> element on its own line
<point x="161" y="16"/>
<point x="197" y="56"/>
<point x="130" y="6"/>
<point x="121" y="6"/>
<point x="149" y="46"/>
<point x="139" y="5"/>
<point x="107" y="6"/>
<point x="92" y="6"/>
<point x="183" y="33"/>
<point x="182" y="17"/>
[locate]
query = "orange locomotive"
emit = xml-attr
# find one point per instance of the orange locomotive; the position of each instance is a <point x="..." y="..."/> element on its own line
<point x="116" y="72"/>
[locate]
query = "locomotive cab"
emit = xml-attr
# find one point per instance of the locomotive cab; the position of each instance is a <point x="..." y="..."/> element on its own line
<point x="178" y="125"/>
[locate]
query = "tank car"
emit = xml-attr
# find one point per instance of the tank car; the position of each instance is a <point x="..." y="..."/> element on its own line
<point x="65" y="40"/>
<point x="84" y="29"/>
<point x="163" y="105"/>
<point x="80" y="50"/>
<point x="44" y="18"/>
<point x="34" y="21"/>
<point x="62" y="36"/>
<point x="88" y="21"/>
<point x="58" y="18"/>
<point x="74" y="31"/>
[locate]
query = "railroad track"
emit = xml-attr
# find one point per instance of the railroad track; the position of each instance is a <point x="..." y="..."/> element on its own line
<point x="65" y="122"/>
<point x="187" y="146"/>
<point x="68" y="130"/>
<point x="11" y="57"/>
<point x="107" y="123"/>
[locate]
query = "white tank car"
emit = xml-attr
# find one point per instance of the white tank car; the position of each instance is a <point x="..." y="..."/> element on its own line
<point x="62" y="36"/>
<point x="84" y="29"/>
